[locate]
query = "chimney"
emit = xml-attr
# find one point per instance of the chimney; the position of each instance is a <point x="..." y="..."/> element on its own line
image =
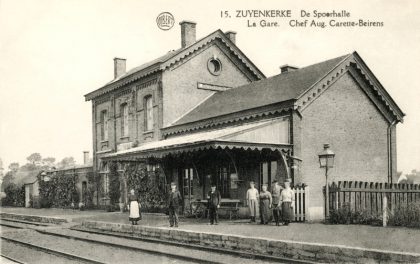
<point x="187" y="33"/>
<point x="231" y="35"/>
<point x="85" y="157"/>
<point x="119" y="67"/>
<point x="287" y="68"/>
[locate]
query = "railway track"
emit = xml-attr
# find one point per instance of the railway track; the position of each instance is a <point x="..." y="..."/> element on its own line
<point x="90" y="241"/>
<point x="48" y="251"/>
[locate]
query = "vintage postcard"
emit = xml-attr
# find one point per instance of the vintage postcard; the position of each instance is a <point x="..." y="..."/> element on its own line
<point x="209" y="131"/>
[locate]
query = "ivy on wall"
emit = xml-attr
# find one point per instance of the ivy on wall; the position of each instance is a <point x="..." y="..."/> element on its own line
<point x="114" y="183"/>
<point x="93" y="182"/>
<point x="146" y="184"/>
<point x="59" y="192"/>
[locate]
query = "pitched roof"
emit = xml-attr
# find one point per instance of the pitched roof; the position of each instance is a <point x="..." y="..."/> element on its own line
<point x="26" y="177"/>
<point x="268" y="91"/>
<point x="148" y="65"/>
<point x="170" y="59"/>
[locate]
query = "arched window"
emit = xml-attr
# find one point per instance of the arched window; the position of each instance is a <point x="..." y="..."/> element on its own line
<point x="148" y="111"/>
<point x="124" y="120"/>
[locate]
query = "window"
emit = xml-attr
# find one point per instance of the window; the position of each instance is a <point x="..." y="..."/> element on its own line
<point x="124" y="120"/>
<point x="188" y="181"/>
<point x="106" y="183"/>
<point x="104" y="171"/>
<point x="104" y="125"/>
<point x="148" y="111"/>
<point x="268" y="173"/>
<point x="214" y="66"/>
<point x="223" y="181"/>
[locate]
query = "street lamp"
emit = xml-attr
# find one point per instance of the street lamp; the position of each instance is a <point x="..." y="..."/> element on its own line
<point x="326" y="160"/>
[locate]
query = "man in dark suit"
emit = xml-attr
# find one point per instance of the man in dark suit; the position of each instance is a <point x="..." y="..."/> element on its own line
<point x="174" y="201"/>
<point x="214" y="199"/>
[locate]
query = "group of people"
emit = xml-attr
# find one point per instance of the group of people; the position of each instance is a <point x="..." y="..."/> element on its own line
<point x="280" y="200"/>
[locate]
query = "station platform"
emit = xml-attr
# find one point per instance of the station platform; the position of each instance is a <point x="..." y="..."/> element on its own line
<point x="307" y="240"/>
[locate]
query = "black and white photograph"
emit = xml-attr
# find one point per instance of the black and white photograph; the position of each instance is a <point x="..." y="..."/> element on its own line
<point x="209" y="131"/>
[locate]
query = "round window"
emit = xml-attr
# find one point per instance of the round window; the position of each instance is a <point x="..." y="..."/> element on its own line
<point x="214" y="66"/>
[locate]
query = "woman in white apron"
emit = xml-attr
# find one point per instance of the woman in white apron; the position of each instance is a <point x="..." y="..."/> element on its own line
<point x="134" y="206"/>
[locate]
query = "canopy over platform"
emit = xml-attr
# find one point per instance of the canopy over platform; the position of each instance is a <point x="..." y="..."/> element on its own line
<point x="270" y="134"/>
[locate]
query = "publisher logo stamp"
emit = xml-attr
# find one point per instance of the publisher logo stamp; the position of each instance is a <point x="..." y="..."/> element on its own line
<point x="165" y="21"/>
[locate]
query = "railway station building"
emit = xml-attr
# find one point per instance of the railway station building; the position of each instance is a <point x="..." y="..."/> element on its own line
<point x="204" y="114"/>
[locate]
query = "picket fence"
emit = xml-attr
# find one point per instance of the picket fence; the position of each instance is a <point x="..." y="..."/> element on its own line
<point x="301" y="204"/>
<point x="369" y="196"/>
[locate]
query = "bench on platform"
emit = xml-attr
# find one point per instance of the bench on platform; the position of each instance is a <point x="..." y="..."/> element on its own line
<point x="231" y="206"/>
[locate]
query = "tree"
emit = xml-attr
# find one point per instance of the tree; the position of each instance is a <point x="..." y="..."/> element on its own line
<point x="1" y="170"/>
<point x="14" y="167"/>
<point x="7" y="180"/>
<point x="67" y="162"/>
<point x="48" y="162"/>
<point x="34" y="158"/>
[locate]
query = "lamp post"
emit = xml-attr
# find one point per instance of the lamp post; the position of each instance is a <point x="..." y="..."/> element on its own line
<point x="326" y="160"/>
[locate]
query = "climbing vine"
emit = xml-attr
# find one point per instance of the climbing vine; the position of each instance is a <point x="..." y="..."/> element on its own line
<point x="114" y="183"/>
<point x="147" y="185"/>
<point x="59" y="192"/>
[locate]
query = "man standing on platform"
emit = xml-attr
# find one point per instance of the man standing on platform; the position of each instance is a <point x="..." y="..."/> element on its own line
<point x="275" y="193"/>
<point x="174" y="200"/>
<point x="214" y="199"/>
<point x="252" y="200"/>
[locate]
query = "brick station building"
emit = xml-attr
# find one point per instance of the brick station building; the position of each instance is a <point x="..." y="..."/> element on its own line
<point x="204" y="113"/>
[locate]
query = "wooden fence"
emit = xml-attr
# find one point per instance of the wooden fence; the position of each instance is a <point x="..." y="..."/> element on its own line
<point x="301" y="204"/>
<point x="369" y="197"/>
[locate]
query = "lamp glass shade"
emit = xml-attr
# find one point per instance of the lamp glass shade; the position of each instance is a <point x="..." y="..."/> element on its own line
<point x="326" y="157"/>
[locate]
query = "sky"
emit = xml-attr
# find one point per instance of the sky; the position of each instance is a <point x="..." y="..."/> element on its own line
<point x="52" y="52"/>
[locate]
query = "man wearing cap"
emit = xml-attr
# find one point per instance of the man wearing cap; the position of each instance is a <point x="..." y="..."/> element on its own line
<point x="275" y="193"/>
<point x="174" y="201"/>
<point x="214" y="199"/>
<point x="252" y="200"/>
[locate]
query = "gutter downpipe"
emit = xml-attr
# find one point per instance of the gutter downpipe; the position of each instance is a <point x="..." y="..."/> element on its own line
<point x="389" y="139"/>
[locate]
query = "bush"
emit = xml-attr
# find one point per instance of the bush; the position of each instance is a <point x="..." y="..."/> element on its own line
<point x="406" y="215"/>
<point x="345" y="215"/>
<point x="15" y="195"/>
